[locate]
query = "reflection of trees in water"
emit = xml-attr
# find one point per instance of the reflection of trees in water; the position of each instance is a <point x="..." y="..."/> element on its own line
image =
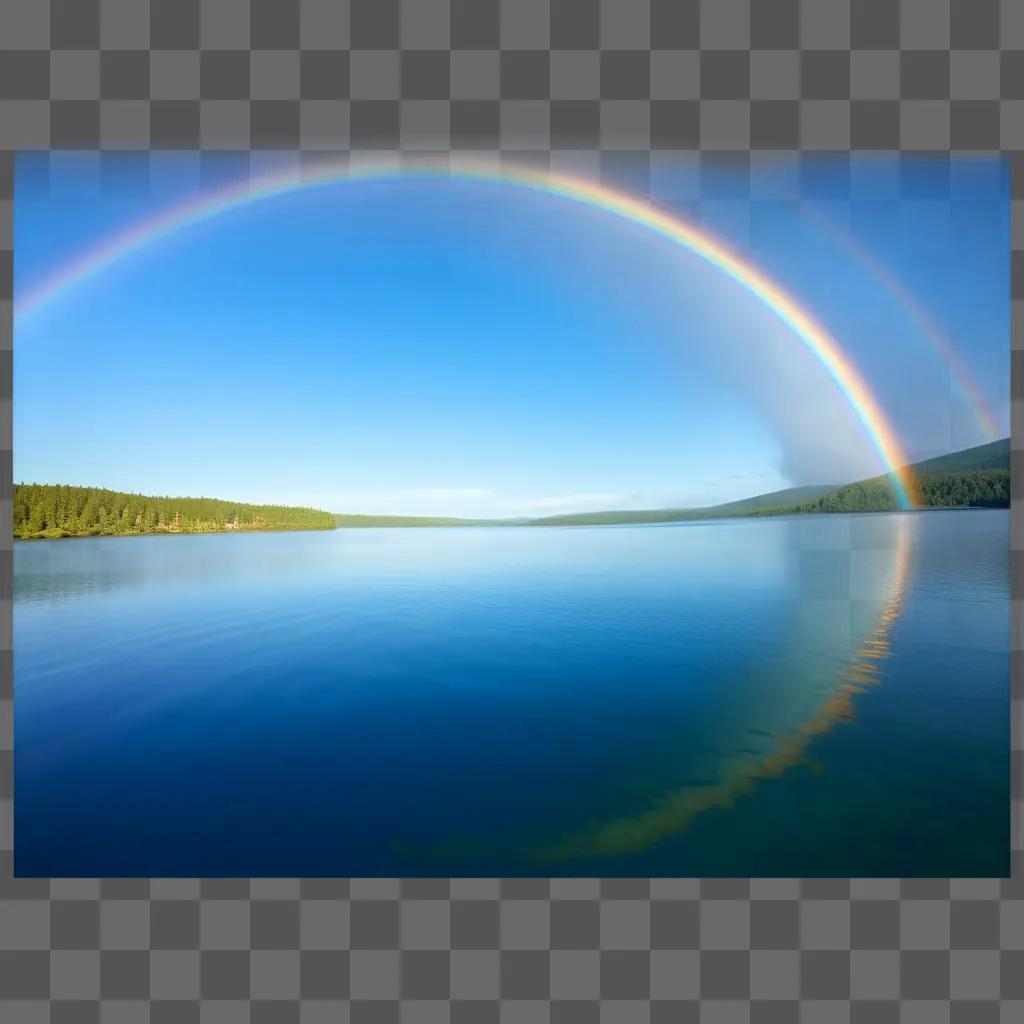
<point x="83" y="568"/>
<point x="675" y="813"/>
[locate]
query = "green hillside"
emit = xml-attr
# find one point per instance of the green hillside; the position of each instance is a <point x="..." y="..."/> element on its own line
<point x="774" y="500"/>
<point x="973" y="488"/>
<point x="974" y="478"/>
<point x="986" y="456"/>
<point x="59" y="510"/>
<point x="761" y="504"/>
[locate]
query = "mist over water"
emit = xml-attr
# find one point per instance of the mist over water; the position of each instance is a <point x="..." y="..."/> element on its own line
<point x="810" y="695"/>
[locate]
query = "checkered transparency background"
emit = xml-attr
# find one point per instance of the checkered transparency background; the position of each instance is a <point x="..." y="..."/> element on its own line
<point x="613" y="87"/>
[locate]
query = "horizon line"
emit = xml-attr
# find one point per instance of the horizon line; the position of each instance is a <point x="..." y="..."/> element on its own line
<point x="505" y="518"/>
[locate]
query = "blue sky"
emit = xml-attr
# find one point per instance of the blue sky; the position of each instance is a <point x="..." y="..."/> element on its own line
<point x="451" y="347"/>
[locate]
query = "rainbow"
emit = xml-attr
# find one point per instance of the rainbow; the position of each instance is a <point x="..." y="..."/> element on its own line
<point x="922" y="319"/>
<point x="580" y="190"/>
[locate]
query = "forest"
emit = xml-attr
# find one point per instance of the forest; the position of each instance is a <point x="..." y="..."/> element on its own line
<point x="59" y="510"/>
<point x="974" y="488"/>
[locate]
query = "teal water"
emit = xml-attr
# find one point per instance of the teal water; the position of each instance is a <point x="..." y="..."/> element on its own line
<point x="822" y="695"/>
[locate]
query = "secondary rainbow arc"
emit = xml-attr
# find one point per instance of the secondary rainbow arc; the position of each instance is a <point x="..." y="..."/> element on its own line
<point x="697" y="241"/>
<point x="921" y="318"/>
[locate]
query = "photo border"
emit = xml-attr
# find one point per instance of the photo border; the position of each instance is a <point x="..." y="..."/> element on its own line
<point x="612" y="86"/>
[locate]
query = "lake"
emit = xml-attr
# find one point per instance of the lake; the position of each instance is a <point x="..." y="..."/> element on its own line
<point x="816" y="695"/>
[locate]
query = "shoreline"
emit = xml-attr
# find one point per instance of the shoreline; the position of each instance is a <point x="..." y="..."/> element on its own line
<point x="525" y="525"/>
<point x="182" y="533"/>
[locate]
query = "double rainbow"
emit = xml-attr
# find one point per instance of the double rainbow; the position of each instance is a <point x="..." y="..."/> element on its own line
<point x="575" y="189"/>
<point x="922" y="319"/>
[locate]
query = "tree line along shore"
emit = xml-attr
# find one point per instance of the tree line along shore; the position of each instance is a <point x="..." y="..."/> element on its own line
<point x="59" y="510"/>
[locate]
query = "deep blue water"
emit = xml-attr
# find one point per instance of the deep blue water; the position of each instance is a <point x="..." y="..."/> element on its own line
<point x="821" y="695"/>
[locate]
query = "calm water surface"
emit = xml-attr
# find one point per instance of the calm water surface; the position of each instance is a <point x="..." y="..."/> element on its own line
<point x="820" y="695"/>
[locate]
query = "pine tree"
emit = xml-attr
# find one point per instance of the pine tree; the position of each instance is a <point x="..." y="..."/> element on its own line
<point x="43" y="509"/>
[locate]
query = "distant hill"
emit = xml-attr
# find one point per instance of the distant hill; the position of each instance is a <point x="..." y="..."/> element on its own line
<point x="774" y="500"/>
<point x="760" y="504"/>
<point x="617" y="517"/>
<point x="973" y="478"/>
<point x="995" y="455"/>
